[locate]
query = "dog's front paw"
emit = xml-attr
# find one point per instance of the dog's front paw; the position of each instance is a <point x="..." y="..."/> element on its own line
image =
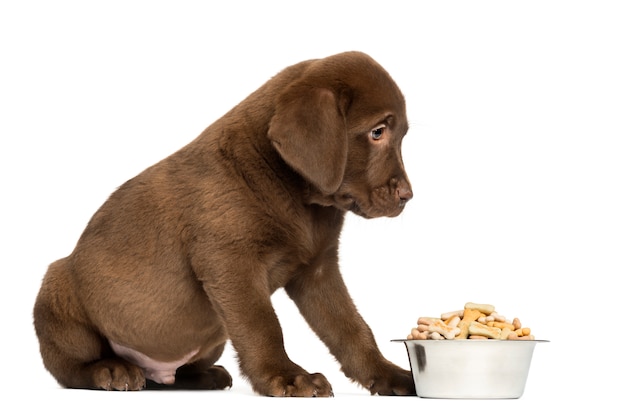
<point x="396" y="381"/>
<point x="296" y="385"/>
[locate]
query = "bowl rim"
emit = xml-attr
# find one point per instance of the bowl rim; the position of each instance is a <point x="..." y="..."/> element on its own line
<point x="472" y="340"/>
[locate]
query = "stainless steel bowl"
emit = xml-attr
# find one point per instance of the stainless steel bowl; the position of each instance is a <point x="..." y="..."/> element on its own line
<point x="471" y="369"/>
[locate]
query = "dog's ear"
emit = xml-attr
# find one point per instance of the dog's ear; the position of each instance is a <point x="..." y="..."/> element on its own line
<point x="309" y="132"/>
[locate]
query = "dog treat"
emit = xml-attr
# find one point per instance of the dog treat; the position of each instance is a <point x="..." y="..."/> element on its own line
<point x="476" y="321"/>
<point x="449" y="315"/>
<point x="443" y="329"/>
<point x="477" y="328"/>
<point x="482" y="307"/>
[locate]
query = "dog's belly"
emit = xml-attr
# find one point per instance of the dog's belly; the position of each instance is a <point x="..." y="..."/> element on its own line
<point x="157" y="371"/>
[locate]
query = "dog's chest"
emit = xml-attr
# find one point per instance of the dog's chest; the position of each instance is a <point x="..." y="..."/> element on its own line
<point x="309" y="244"/>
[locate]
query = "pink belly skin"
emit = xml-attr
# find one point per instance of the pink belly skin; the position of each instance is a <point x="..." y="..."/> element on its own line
<point x="157" y="371"/>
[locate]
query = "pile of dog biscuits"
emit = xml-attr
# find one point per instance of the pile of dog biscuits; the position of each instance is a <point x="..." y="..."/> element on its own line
<point x="474" y="321"/>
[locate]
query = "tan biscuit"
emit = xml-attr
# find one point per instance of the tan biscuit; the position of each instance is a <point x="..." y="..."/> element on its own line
<point x="503" y="325"/>
<point x="477" y="328"/>
<point x="441" y="328"/>
<point x="464" y="330"/>
<point x="470" y="315"/>
<point x="426" y="320"/>
<point x="483" y="307"/>
<point x="452" y="314"/>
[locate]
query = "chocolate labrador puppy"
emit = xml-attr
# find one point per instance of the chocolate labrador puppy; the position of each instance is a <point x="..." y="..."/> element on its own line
<point x="185" y="256"/>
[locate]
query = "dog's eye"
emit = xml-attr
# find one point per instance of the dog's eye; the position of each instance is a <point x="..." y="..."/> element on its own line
<point x="377" y="133"/>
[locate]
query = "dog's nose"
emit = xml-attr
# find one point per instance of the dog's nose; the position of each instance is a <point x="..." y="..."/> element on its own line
<point x="404" y="192"/>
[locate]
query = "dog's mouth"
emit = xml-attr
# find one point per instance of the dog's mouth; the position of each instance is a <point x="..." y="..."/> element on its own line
<point x="373" y="211"/>
<point x="356" y="209"/>
<point x="349" y="203"/>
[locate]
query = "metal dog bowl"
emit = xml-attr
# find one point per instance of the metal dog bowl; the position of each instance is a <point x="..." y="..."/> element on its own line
<point x="470" y="369"/>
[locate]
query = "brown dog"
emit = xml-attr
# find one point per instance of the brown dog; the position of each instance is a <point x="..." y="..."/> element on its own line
<point x="186" y="255"/>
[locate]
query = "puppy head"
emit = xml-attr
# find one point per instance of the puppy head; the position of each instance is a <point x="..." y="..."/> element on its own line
<point x="340" y="125"/>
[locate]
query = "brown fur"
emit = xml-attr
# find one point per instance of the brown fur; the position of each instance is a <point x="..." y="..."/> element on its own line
<point x="186" y="255"/>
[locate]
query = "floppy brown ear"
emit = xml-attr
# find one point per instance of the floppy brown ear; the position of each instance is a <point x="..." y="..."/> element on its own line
<point x="309" y="132"/>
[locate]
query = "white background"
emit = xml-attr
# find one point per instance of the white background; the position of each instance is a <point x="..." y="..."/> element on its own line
<point x="516" y="154"/>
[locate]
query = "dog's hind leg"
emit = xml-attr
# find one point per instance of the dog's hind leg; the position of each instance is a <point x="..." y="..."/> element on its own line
<point x="74" y="353"/>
